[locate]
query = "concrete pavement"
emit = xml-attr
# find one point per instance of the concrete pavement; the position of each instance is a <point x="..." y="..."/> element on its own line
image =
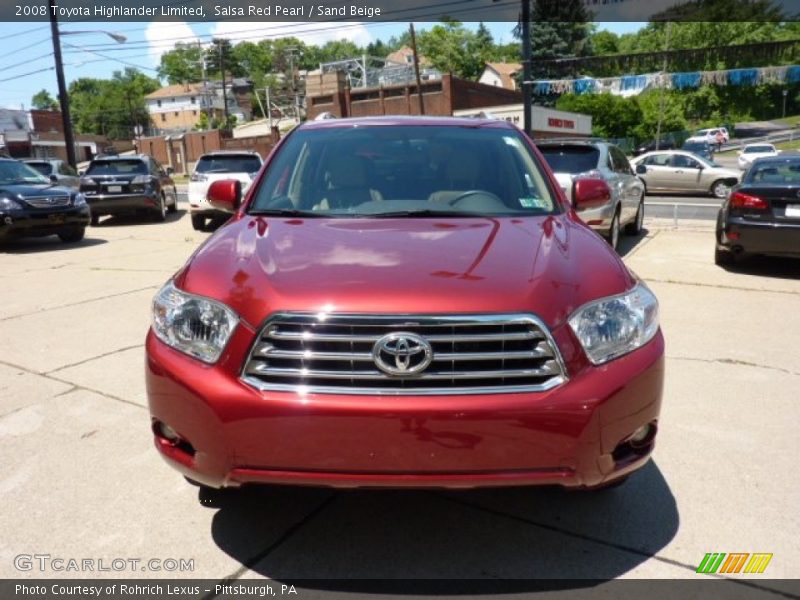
<point x="80" y="478"/>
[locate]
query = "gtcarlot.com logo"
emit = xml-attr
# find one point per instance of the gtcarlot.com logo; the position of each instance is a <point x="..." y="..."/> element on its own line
<point x="44" y="563"/>
<point x="735" y="562"/>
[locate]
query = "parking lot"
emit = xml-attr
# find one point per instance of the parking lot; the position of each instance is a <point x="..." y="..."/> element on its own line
<point x="81" y="479"/>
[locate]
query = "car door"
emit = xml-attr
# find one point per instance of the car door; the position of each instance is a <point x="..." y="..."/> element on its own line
<point x="687" y="173"/>
<point x="630" y="186"/>
<point x="657" y="170"/>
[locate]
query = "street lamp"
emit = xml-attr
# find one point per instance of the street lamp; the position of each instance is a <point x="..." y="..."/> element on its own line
<point x="63" y="98"/>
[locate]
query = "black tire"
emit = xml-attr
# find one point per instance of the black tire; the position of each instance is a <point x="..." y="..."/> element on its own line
<point x="73" y="235"/>
<point x="635" y="226"/>
<point x="198" y="222"/>
<point x="173" y="208"/>
<point x="723" y="258"/>
<point x="160" y="213"/>
<point x="613" y="232"/>
<point x="95" y="220"/>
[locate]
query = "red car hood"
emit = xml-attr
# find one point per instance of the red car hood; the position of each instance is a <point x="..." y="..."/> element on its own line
<point x="546" y="265"/>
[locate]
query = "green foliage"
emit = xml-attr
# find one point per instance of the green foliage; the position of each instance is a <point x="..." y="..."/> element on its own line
<point x="558" y="29"/>
<point x="182" y="64"/>
<point x="111" y="107"/>
<point x="452" y="48"/>
<point x="612" y="116"/>
<point x="44" y="101"/>
<point x="203" y="123"/>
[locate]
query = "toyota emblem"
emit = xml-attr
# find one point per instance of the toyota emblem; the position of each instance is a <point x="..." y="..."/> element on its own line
<point x="402" y="353"/>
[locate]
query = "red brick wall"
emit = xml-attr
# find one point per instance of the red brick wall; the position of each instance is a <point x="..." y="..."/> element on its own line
<point x="47" y="120"/>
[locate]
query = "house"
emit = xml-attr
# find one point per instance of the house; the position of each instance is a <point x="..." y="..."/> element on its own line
<point x="177" y="108"/>
<point x="405" y="56"/>
<point x="40" y="134"/>
<point x="501" y="75"/>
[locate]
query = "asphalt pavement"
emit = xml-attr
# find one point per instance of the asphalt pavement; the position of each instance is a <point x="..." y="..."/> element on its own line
<point x="80" y="477"/>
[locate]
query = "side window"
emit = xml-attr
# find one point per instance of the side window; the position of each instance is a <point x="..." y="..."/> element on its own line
<point x="621" y="164"/>
<point x="684" y="162"/>
<point x="657" y="160"/>
<point x="155" y="168"/>
<point x="65" y="169"/>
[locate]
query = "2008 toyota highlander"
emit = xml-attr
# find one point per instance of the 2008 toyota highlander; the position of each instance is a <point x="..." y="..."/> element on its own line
<point x="405" y="302"/>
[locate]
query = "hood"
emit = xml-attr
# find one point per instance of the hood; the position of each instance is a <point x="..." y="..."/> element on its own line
<point x="547" y="265"/>
<point x="28" y="190"/>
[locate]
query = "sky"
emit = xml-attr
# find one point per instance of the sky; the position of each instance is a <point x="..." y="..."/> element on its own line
<point x="27" y="65"/>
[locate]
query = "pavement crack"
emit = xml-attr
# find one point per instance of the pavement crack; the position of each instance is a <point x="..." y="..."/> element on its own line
<point x="254" y="560"/>
<point x="90" y="359"/>
<point x="78" y="303"/>
<point x="735" y="361"/>
<point x="722" y="287"/>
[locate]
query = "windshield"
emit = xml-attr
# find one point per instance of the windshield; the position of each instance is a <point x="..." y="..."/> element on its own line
<point x="12" y="172"/>
<point x="45" y="168"/>
<point x="404" y="171"/>
<point x="758" y="149"/>
<point x="116" y="167"/>
<point x="571" y="159"/>
<point x="231" y="163"/>
<point x="775" y="173"/>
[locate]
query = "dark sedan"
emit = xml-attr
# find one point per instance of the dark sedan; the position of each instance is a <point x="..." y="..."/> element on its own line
<point x="128" y="184"/>
<point x="762" y="213"/>
<point x="31" y="206"/>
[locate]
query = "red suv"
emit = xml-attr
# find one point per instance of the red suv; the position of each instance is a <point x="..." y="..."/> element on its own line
<point x="405" y="302"/>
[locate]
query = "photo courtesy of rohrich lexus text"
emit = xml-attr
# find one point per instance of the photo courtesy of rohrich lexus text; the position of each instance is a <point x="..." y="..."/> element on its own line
<point x="399" y="299"/>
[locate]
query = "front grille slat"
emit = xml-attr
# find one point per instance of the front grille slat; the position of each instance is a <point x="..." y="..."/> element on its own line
<point x="471" y="354"/>
<point x="48" y="201"/>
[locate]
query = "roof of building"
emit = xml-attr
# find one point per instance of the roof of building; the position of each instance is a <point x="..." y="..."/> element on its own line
<point x="399" y="56"/>
<point x="506" y="71"/>
<point x="179" y="89"/>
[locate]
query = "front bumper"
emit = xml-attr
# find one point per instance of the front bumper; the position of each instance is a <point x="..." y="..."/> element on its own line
<point x="234" y="434"/>
<point x="752" y="237"/>
<point x="107" y="204"/>
<point x="30" y="223"/>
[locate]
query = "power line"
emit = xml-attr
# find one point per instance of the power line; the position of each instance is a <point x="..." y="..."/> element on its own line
<point x="26" y="74"/>
<point x="114" y="59"/>
<point x="25" y="62"/>
<point x="27" y="31"/>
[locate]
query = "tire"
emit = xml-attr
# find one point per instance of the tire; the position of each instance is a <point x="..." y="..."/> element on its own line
<point x="198" y="222"/>
<point x="613" y="232"/>
<point x="173" y="208"/>
<point x="95" y="220"/>
<point x="73" y="235"/>
<point x="160" y="214"/>
<point x="720" y="189"/>
<point x="635" y="226"/>
<point x="723" y="258"/>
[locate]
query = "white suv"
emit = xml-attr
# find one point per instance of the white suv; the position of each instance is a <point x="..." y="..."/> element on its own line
<point x="212" y="166"/>
<point x="710" y="136"/>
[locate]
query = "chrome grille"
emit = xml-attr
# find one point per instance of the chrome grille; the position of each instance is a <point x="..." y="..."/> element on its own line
<point x="47" y="201"/>
<point x="472" y="354"/>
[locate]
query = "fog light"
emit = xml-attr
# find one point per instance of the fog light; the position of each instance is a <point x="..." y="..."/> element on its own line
<point x="642" y="436"/>
<point x="168" y="433"/>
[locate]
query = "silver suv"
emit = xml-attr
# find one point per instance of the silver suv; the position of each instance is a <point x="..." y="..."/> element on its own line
<point x="571" y="160"/>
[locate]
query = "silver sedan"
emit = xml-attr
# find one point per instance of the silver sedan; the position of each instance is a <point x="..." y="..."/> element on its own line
<point x="684" y="172"/>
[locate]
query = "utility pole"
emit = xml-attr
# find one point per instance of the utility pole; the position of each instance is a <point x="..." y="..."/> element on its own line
<point x="663" y="84"/>
<point x="416" y="69"/>
<point x="269" y="109"/>
<point x="224" y="94"/>
<point x="527" y="96"/>
<point x="63" y="97"/>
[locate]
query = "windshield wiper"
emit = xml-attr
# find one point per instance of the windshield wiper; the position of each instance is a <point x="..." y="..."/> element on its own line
<point x="284" y="212"/>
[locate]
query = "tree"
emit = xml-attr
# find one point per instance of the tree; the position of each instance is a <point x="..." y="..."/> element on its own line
<point x="44" y="101"/>
<point x="558" y="29"/>
<point x="452" y="48"/>
<point x="612" y="116"/>
<point x="182" y="64"/>
<point x="220" y="54"/>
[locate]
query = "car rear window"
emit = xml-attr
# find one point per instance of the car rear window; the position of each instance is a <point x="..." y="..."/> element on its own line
<point x="775" y="173"/>
<point x="116" y="167"/>
<point x="43" y="167"/>
<point x="382" y="170"/>
<point x="758" y="149"/>
<point x="571" y="159"/>
<point x="232" y="163"/>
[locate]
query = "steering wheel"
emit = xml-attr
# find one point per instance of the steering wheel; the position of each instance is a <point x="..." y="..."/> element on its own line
<point x="469" y="193"/>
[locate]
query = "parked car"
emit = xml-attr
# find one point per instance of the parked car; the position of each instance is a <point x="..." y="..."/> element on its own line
<point x="372" y="316"/>
<point x="714" y="136"/>
<point x="752" y="152"/>
<point x="762" y="214"/>
<point x="31" y="206"/>
<point x="57" y="171"/>
<point x="572" y="160"/>
<point x="214" y="166"/>
<point x="684" y="172"/>
<point x="664" y="144"/>
<point x="116" y="185"/>
<point x="701" y="149"/>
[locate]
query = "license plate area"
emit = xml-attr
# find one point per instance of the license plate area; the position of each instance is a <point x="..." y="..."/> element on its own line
<point x="792" y="211"/>
<point x="114" y="189"/>
<point x="56" y="219"/>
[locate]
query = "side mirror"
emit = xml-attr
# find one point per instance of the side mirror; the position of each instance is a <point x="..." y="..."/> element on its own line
<point x="590" y="193"/>
<point x="641" y="170"/>
<point x="225" y="195"/>
<point x="53" y="178"/>
<point x="81" y="173"/>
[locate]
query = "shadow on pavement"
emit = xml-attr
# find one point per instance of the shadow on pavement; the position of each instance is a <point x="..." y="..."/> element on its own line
<point x="50" y="243"/>
<point x="369" y="536"/>
<point x="139" y="219"/>
<point x="627" y="243"/>
<point x="766" y="266"/>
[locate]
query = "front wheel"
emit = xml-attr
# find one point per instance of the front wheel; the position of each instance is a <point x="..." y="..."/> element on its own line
<point x="635" y="226"/>
<point x="72" y="235"/>
<point x="160" y="214"/>
<point x="173" y="208"/>
<point x="613" y="232"/>
<point x="720" y="189"/>
<point x="198" y="222"/>
<point x="95" y="220"/>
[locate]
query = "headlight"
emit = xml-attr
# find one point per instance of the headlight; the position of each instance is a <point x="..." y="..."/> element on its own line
<point x="79" y="200"/>
<point x="9" y="204"/>
<point x="614" y="326"/>
<point x="197" y="326"/>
